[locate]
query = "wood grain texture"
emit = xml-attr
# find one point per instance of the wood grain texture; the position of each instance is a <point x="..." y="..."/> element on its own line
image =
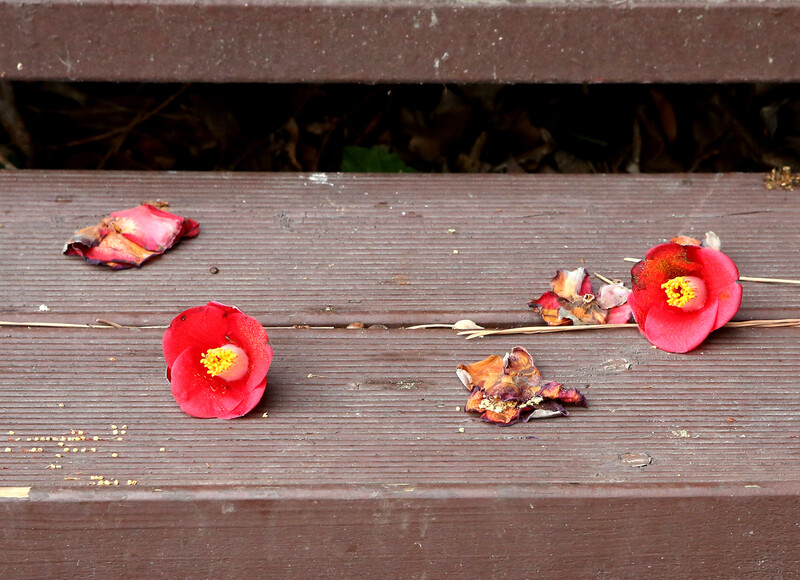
<point x="401" y="41"/>
<point x="677" y="532"/>
<point x="682" y="466"/>
<point x="335" y="249"/>
<point x="379" y="407"/>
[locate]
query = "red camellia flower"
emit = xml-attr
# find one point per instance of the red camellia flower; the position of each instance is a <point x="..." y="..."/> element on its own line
<point x="681" y="293"/>
<point x="217" y="361"/>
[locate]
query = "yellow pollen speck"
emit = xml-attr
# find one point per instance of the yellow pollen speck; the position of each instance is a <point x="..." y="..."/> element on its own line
<point x="679" y="291"/>
<point x="218" y="360"/>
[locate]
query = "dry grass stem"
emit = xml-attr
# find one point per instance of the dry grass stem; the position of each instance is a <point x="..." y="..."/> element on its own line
<point x="776" y="323"/>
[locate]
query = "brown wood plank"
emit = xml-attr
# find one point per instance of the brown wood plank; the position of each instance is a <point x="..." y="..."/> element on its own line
<point x="401" y="41"/>
<point x="360" y="461"/>
<point x="335" y="249"/>
<point x="379" y="407"/>
<point x="526" y="532"/>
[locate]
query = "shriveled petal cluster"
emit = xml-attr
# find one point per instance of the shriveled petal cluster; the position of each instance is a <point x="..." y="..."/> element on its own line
<point x="572" y="300"/>
<point x="216" y="328"/>
<point x="130" y="237"/>
<point x="507" y="389"/>
<point x="681" y="293"/>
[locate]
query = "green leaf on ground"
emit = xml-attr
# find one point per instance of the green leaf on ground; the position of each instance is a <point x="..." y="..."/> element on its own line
<point x="372" y="160"/>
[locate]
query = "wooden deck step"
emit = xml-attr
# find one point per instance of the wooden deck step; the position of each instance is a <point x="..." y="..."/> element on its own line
<point x="401" y="41"/>
<point x="361" y="460"/>
<point x="334" y="249"/>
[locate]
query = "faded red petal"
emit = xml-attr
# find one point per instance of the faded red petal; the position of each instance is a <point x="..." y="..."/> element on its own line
<point x="507" y="417"/>
<point x="620" y="314"/>
<point x="519" y="362"/>
<point x="205" y="327"/>
<point x="474" y="400"/>
<point x="612" y="295"/>
<point x="483" y="373"/>
<point x="130" y="237"/>
<point x="548" y="305"/>
<point x="104" y="245"/>
<point x="152" y="228"/>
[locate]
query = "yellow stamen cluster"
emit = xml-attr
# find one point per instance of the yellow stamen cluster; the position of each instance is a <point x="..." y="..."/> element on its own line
<point x="218" y="360"/>
<point x="495" y="405"/>
<point x="679" y="291"/>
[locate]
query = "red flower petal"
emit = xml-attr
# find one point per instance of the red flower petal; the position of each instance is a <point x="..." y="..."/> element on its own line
<point x="729" y="302"/>
<point x="548" y="305"/>
<point x="200" y="394"/>
<point x="153" y="229"/>
<point x="672" y="330"/>
<point x="718" y="270"/>
<point x="620" y="314"/>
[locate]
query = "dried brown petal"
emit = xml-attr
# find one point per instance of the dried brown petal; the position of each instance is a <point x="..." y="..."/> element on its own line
<point x="507" y="389"/>
<point x="557" y="309"/>
<point x="571" y="284"/>
<point x="466" y="325"/>
<point x="584" y="311"/>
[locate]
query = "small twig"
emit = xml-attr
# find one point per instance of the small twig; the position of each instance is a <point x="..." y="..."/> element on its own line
<point x="604" y="279"/>
<point x="768" y="280"/>
<point x="53" y="324"/>
<point x="103" y="321"/>
<point x="777" y="323"/>
<point x="108" y="324"/>
<point x="541" y="329"/>
<point x="743" y="278"/>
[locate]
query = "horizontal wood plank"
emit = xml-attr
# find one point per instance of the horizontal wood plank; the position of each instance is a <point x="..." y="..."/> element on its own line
<point x="361" y="460"/>
<point x="380" y="407"/>
<point x="332" y="249"/>
<point x="400" y="41"/>
<point x="679" y="532"/>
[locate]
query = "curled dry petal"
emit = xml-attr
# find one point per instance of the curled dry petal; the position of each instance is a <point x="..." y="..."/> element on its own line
<point x="573" y="301"/>
<point x="584" y="311"/>
<point x="510" y="388"/>
<point x="549" y="305"/>
<point x="571" y="284"/>
<point x="711" y="240"/>
<point x="466" y="325"/>
<point x="130" y="237"/>
<point x="612" y="295"/>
